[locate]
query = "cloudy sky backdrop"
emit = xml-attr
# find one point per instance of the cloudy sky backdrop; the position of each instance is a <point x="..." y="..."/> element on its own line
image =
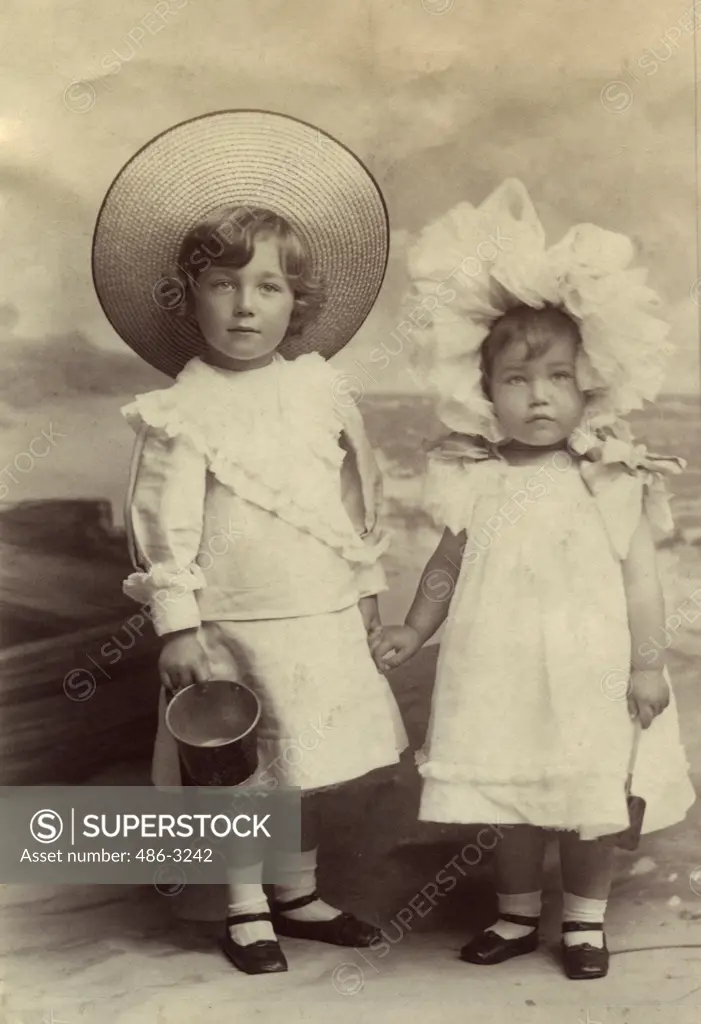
<point x="591" y="105"/>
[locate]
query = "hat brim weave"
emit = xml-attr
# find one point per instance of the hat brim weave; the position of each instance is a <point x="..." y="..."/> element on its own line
<point x="252" y="158"/>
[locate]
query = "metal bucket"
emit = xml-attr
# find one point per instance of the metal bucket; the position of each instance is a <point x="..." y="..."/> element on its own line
<point x="214" y="725"/>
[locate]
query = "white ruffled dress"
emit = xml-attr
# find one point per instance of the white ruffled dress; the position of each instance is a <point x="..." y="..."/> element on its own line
<point x="529" y="722"/>
<point x="252" y="515"/>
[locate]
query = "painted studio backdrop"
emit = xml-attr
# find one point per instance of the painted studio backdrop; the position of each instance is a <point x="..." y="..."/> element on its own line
<point x="593" y="109"/>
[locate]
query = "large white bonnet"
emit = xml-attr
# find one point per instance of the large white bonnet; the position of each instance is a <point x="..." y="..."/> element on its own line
<point x="473" y="264"/>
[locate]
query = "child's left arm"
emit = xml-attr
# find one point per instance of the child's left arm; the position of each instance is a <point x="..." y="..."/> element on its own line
<point x="649" y="692"/>
<point x="370" y="610"/>
<point x="370" y="579"/>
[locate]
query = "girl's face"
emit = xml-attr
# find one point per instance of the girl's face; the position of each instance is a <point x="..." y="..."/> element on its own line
<point x="244" y="312"/>
<point x="537" y="400"/>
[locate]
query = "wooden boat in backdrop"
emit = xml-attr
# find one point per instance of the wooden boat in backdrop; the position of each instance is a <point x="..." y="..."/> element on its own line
<point x="78" y="659"/>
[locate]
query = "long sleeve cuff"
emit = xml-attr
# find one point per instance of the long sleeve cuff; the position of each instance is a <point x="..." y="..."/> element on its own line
<point x="370" y="579"/>
<point x="172" y="611"/>
<point x="170" y="597"/>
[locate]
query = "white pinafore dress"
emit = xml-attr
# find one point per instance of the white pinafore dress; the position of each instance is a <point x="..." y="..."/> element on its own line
<point x="529" y="722"/>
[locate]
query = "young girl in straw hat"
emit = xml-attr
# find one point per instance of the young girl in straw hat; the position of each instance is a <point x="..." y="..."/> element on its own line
<point x="546" y="569"/>
<point x="254" y="498"/>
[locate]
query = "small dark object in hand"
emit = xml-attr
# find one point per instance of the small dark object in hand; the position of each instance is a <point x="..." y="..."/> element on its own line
<point x="629" y="838"/>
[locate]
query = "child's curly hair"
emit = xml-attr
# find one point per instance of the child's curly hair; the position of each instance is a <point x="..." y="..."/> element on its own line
<point x="227" y="238"/>
<point x="535" y="328"/>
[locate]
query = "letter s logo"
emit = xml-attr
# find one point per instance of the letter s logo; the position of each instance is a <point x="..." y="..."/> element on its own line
<point x="46" y="826"/>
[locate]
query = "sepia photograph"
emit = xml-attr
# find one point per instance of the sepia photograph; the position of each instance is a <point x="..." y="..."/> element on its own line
<point x="351" y="499"/>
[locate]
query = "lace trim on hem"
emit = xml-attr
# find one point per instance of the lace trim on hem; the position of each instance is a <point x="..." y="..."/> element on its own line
<point x="443" y="771"/>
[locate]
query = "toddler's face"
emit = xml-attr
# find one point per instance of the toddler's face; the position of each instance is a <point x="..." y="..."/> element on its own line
<point x="244" y="312"/>
<point x="537" y="400"/>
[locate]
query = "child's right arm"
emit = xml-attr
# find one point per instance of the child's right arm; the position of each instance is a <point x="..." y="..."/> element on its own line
<point x="430" y="606"/>
<point x="164" y="520"/>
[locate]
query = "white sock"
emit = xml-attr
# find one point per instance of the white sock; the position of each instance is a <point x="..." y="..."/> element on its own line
<point x="525" y="904"/>
<point x="249" y="898"/>
<point x="296" y="877"/>
<point x="580" y="908"/>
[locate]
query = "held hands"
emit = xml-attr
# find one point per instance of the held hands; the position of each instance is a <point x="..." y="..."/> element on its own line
<point x="391" y="646"/>
<point x="182" y="662"/>
<point x="403" y="640"/>
<point x="648" y="696"/>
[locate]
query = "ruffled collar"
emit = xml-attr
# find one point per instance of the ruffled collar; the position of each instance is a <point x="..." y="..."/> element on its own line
<point x="241" y="382"/>
<point x="608" y="444"/>
<point x="271" y="435"/>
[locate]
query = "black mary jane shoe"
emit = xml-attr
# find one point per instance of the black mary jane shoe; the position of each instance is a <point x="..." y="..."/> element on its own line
<point x="262" y="957"/>
<point x="585" y="961"/>
<point x="343" y="930"/>
<point x="488" y="948"/>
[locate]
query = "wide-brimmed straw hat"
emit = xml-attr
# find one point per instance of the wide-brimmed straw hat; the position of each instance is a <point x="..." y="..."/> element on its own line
<point x="255" y="159"/>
